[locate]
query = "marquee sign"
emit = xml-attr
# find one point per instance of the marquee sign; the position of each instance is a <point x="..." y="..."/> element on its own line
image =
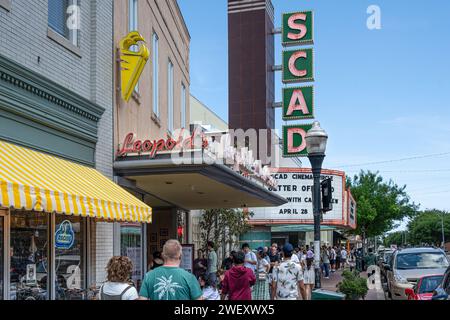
<point x="298" y="65"/>
<point x="351" y="203"/>
<point x="298" y="103"/>
<point x="131" y="145"/>
<point x="294" y="140"/>
<point x="296" y="185"/>
<point x="298" y="28"/>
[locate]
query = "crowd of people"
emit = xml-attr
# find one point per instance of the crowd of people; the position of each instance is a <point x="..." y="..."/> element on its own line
<point x="275" y="273"/>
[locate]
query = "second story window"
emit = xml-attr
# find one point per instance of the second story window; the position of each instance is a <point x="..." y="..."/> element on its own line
<point x="132" y="15"/>
<point x="170" y="97"/>
<point x="64" y="18"/>
<point x="155" y="76"/>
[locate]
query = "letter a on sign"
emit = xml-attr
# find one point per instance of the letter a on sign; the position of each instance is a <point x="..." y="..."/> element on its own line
<point x="298" y="28"/>
<point x="298" y="103"/>
<point x="298" y="65"/>
<point x="294" y="143"/>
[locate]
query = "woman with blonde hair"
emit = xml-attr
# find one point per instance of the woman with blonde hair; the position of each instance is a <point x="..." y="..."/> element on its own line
<point x="118" y="285"/>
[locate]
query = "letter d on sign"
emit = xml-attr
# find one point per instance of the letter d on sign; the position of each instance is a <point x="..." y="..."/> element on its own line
<point x="294" y="143"/>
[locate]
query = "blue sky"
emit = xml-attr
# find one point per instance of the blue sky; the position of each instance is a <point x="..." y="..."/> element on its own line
<point x="380" y="94"/>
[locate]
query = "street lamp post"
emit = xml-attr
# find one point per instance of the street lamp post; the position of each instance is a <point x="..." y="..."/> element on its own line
<point x="316" y="143"/>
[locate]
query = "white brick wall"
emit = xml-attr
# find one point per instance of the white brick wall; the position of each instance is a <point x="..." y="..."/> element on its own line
<point x="23" y="38"/>
<point x="103" y="249"/>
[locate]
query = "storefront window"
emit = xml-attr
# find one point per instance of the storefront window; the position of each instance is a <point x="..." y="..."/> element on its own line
<point x="131" y="246"/>
<point x="29" y="253"/>
<point x="2" y="259"/>
<point x="70" y="256"/>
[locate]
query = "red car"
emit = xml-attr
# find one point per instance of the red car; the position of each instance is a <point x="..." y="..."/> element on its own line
<point x="423" y="290"/>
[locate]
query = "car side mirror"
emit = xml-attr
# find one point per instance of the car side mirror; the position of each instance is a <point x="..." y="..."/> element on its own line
<point x="440" y="294"/>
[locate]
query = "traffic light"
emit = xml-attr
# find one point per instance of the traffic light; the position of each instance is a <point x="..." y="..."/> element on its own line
<point x="327" y="195"/>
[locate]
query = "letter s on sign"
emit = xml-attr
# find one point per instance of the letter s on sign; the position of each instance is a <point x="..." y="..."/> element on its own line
<point x="297" y="26"/>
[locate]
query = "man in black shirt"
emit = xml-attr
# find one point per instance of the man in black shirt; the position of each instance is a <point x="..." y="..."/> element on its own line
<point x="227" y="263"/>
<point x="274" y="256"/>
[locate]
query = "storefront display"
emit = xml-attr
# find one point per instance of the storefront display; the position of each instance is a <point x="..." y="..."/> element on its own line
<point x="131" y="246"/>
<point x="70" y="257"/>
<point x="29" y="246"/>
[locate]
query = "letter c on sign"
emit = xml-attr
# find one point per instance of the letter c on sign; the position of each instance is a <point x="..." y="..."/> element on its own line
<point x="291" y="147"/>
<point x="292" y="68"/>
<point x="297" y="26"/>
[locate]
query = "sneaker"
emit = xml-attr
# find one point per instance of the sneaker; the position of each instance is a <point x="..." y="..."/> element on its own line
<point x="327" y="278"/>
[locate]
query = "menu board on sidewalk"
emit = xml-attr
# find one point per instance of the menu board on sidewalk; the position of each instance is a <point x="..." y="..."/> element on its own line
<point x="187" y="257"/>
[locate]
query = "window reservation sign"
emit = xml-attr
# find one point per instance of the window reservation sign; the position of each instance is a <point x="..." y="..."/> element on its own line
<point x="295" y="184"/>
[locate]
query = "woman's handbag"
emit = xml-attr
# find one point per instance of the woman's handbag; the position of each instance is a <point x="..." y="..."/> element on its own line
<point x="262" y="276"/>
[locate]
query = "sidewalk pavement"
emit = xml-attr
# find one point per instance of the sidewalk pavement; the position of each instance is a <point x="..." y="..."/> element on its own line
<point x="375" y="290"/>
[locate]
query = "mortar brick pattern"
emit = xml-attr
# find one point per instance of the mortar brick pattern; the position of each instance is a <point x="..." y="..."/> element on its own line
<point x="23" y="38"/>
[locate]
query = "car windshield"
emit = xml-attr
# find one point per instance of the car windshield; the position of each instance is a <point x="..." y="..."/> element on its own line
<point x="429" y="284"/>
<point x="421" y="260"/>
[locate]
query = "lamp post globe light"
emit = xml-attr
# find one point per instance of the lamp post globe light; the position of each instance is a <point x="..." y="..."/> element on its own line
<point x="316" y="144"/>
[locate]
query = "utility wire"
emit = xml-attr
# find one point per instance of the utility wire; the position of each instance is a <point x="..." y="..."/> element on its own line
<point x="437" y="192"/>
<point x="395" y="160"/>
<point x="408" y="171"/>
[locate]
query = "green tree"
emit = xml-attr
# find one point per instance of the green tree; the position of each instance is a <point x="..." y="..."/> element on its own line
<point x="426" y="227"/>
<point x="394" y="238"/>
<point x="380" y="204"/>
<point x="223" y="226"/>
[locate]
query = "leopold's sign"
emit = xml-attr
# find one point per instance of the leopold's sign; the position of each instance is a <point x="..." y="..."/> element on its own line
<point x="131" y="145"/>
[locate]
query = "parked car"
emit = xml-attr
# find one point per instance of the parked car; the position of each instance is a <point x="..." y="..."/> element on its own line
<point x="383" y="263"/>
<point x="442" y="292"/>
<point x="408" y="265"/>
<point x="424" y="288"/>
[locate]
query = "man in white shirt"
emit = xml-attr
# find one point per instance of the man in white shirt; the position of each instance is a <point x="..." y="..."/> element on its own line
<point x="287" y="278"/>
<point x="295" y="259"/>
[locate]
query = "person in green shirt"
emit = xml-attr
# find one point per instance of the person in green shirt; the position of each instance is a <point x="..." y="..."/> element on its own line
<point x="370" y="259"/>
<point x="170" y="282"/>
<point x="211" y="270"/>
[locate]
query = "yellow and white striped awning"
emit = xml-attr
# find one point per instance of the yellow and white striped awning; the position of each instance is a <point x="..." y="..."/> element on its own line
<point x="36" y="181"/>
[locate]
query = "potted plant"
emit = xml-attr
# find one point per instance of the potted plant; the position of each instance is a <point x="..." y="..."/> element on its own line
<point x="353" y="286"/>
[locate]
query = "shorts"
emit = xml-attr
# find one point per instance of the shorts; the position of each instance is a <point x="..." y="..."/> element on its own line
<point x="333" y="261"/>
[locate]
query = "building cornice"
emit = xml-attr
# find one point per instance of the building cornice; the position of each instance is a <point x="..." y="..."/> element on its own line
<point x="31" y="95"/>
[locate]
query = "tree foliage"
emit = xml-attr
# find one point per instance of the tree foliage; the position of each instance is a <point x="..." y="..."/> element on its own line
<point x="426" y="227"/>
<point x="396" y="238"/>
<point x="380" y="203"/>
<point x="223" y="226"/>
